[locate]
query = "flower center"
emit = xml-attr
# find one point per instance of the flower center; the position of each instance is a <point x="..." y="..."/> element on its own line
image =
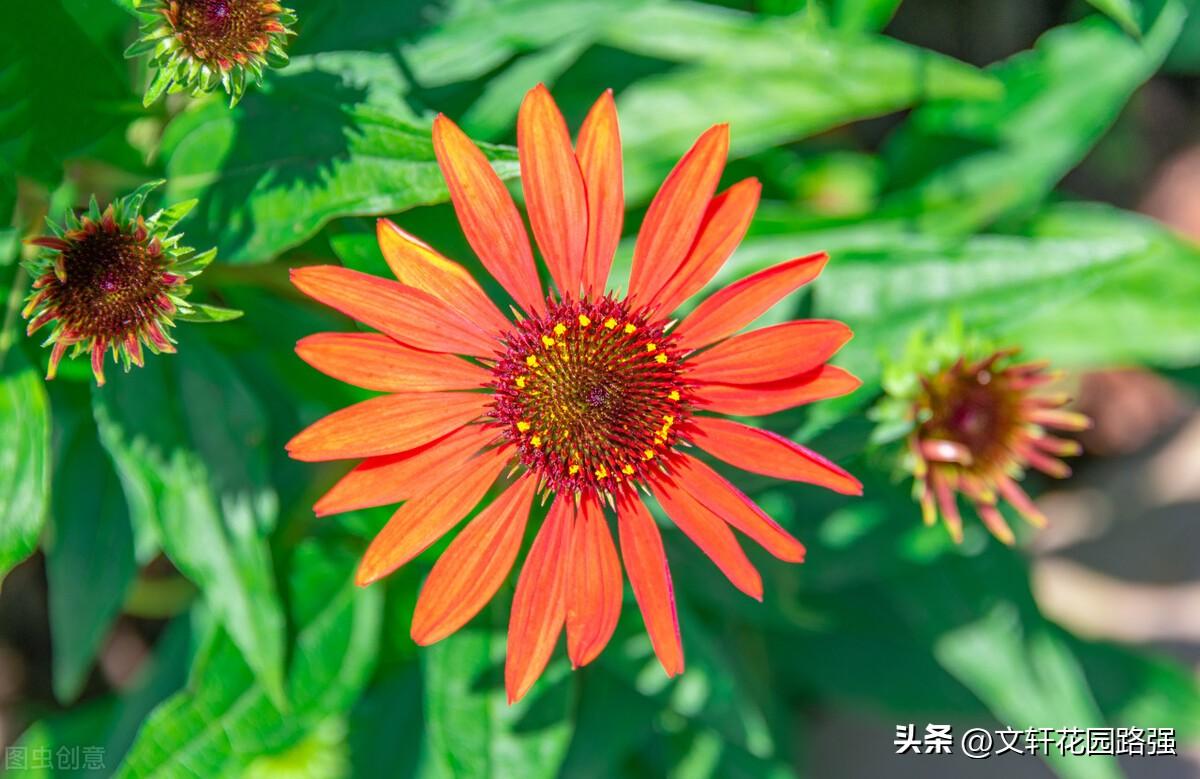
<point x="977" y="410"/>
<point x="112" y="284"/>
<point x="211" y="29"/>
<point x="591" y="394"/>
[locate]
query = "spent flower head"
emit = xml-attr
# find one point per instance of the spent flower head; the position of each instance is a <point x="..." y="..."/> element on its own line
<point x="198" y="45"/>
<point x="113" y="280"/>
<point x="974" y="420"/>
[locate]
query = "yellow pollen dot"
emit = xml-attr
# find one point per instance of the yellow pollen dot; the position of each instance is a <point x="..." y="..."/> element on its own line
<point x="661" y="359"/>
<point x="574" y="469"/>
<point x="531" y="361"/>
<point x="673" y="394"/>
<point x="610" y="323"/>
<point x="584" y="321"/>
<point x="547" y="340"/>
<point x="648" y="454"/>
<point x="601" y="472"/>
<point x="627" y="469"/>
<point x="520" y="382"/>
<point x="651" y="346"/>
<point x="559" y="329"/>
<point x="629" y="329"/>
<point x="670" y="420"/>
<point x="523" y="426"/>
<point x="536" y="440"/>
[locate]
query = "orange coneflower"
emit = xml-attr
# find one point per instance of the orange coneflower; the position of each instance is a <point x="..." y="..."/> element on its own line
<point x="585" y="397"/>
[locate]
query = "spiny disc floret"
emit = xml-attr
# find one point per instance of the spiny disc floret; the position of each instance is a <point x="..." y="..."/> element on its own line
<point x="591" y="394"/>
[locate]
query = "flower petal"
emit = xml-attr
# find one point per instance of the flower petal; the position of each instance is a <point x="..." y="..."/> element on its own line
<point x="731" y="504"/>
<point x="752" y="400"/>
<point x="646" y="563"/>
<point x="761" y="451"/>
<point x="742" y="302"/>
<point x="594" y="585"/>
<point x="376" y="362"/>
<point x="769" y="354"/>
<point x="429" y="516"/>
<point x="708" y="532"/>
<point x="386" y="425"/>
<point x="416" y="264"/>
<point x="553" y="184"/>
<point x="599" y="154"/>
<point x="725" y="224"/>
<point x="539" y="603"/>
<point x="391" y="478"/>
<point x="489" y="217"/>
<point x="407" y="314"/>
<point x="474" y="566"/>
<point x="676" y="213"/>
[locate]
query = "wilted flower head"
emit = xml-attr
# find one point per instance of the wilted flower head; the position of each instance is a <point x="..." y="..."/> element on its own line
<point x="593" y="398"/>
<point x="114" y="280"/>
<point x="974" y="422"/>
<point x="199" y="44"/>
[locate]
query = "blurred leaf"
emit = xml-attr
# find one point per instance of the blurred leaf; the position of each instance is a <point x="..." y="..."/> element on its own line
<point x="471" y="729"/>
<point x="962" y="164"/>
<point x="775" y="80"/>
<point x="1133" y="687"/>
<point x="89" y="560"/>
<point x="205" y="313"/>
<point x="386" y="728"/>
<point x="226" y="718"/>
<point x="864" y="14"/>
<point x="1123" y="12"/>
<point x="24" y="459"/>
<point x="333" y="136"/>
<point x="185" y="434"/>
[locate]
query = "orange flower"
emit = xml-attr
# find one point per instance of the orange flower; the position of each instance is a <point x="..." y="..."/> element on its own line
<point x="585" y="397"/>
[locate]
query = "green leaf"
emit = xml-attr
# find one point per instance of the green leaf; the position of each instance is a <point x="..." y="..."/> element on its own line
<point x="203" y="313"/>
<point x="184" y="433"/>
<point x="333" y="136"/>
<point x="962" y="164"/>
<point x="24" y="459"/>
<point x="226" y="718"/>
<point x="472" y="731"/>
<point x="864" y="15"/>
<point x="89" y="560"/>
<point x="1123" y="12"/>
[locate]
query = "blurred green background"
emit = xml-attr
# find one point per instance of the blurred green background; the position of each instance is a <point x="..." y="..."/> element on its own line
<point x="1029" y="166"/>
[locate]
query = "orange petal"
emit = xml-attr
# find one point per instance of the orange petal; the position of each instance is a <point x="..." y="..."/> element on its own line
<point x="770" y="354"/>
<point x="731" y="505"/>
<point x="539" y="604"/>
<point x="599" y="153"/>
<point x="708" y="532"/>
<point x="761" y="451"/>
<point x="391" y="478"/>
<point x="593" y="586"/>
<point x="429" y="516"/>
<point x="386" y="425"/>
<point x="742" y="302"/>
<point x="725" y="224"/>
<point x="405" y="313"/>
<point x="553" y="184"/>
<point x="646" y="562"/>
<point x="751" y="400"/>
<point x="676" y="214"/>
<point x="416" y="264"/>
<point x="474" y="566"/>
<point x="489" y="217"/>
<point x="376" y="362"/>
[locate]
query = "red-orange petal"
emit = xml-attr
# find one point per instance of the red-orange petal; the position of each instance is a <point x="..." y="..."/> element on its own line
<point x="676" y="213"/>
<point x="474" y="566"/>
<point x="594" y="585"/>
<point x="391" y="478"/>
<point x="742" y="302"/>
<point x="488" y="216"/>
<point x="710" y="533"/>
<point x="650" y="577"/>
<point x="770" y="353"/>
<point x="751" y="400"/>
<point x="539" y="603"/>
<point x="405" y="313"/>
<point x="429" y="516"/>
<point x="416" y="264"/>
<point x="376" y="362"/>
<point x="761" y="451"/>
<point x="386" y="425"/>
<point x="599" y="154"/>
<point x="725" y="223"/>
<point x="732" y="505"/>
<point x="553" y="184"/>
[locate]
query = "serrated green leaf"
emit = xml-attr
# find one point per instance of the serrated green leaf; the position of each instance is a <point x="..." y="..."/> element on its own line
<point x="226" y="718"/>
<point x="24" y="459"/>
<point x="204" y="313"/>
